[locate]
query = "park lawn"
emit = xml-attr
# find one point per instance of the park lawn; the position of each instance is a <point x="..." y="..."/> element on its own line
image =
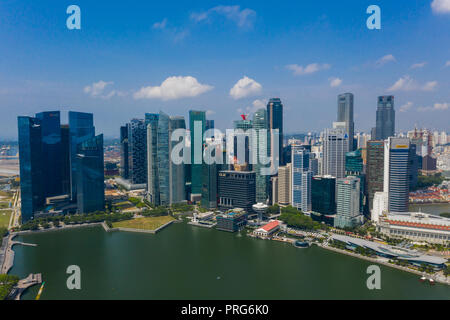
<point x="4" y="218"/>
<point x="4" y="205"/>
<point x="147" y="223"/>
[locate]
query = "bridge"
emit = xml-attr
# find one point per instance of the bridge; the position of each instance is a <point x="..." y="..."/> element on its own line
<point x="23" y="285"/>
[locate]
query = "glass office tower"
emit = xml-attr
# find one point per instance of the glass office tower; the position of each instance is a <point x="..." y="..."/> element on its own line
<point x="151" y="119"/>
<point x="275" y="121"/>
<point x="31" y="166"/>
<point x="81" y="127"/>
<point x="124" y="170"/>
<point x="177" y="174"/>
<point x="197" y="144"/>
<point x="90" y="175"/>
<point x="260" y="151"/>
<point x="345" y="114"/>
<point x="51" y="151"/>
<point x="385" y="124"/>
<point x="137" y="151"/>
<point x="323" y="194"/>
<point x="301" y="179"/>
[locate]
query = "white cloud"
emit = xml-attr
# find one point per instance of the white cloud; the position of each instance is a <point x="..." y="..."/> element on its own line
<point x="256" y="104"/>
<point x="245" y="87"/>
<point x="440" y="6"/>
<point x="173" y="88"/>
<point x="310" y="68"/>
<point x="406" y="107"/>
<point x="430" y="86"/>
<point x="385" y="59"/>
<point x="210" y="112"/>
<point x="447" y="64"/>
<point x="160" y="25"/>
<point x="97" y="88"/>
<point x="242" y="17"/>
<point x="406" y="83"/>
<point x="435" y="107"/>
<point x="335" y="82"/>
<point x="419" y="65"/>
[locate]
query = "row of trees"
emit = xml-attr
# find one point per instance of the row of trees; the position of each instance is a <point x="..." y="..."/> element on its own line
<point x="7" y="282"/>
<point x="98" y="216"/>
<point x="295" y="218"/>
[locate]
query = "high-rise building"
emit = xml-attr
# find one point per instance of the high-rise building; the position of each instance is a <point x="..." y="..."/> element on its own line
<point x="354" y="163"/>
<point x="51" y="151"/>
<point x="197" y="126"/>
<point x="31" y="166"/>
<point x="243" y="139"/>
<point x="413" y="166"/>
<point x="260" y="153"/>
<point x="380" y="205"/>
<point x="124" y="168"/>
<point x="81" y="127"/>
<point x="323" y="194"/>
<point x="209" y="179"/>
<point x="137" y="151"/>
<point x="275" y="121"/>
<point x="374" y="169"/>
<point x="345" y="114"/>
<point x="396" y="173"/>
<point x="301" y="179"/>
<point x="284" y="185"/>
<point x="236" y="189"/>
<point x="76" y="157"/>
<point x="385" y="126"/>
<point x="177" y="174"/>
<point x="151" y="120"/>
<point x="90" y="175"/>
<point x="335" y="146"/>
<point x="348" y="213"/>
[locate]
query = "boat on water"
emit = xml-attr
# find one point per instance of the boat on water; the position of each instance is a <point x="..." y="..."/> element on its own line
<point x="423" y="278"/>
<point x="431" y="281"/>
<point x="301" y="244"/>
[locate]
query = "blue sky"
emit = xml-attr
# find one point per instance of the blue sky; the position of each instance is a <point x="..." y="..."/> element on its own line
<point x="144" y="56"/>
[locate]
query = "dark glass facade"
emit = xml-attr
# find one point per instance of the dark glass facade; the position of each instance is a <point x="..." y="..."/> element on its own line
<point x="374" y="169"/>
<point x="31" y="166"/>
<point x="236" y="189"/>
<point x="65" y="154"/>
<point x="81" y="126"/>
<point x="196" y="142"/>
<point x="345" y="114"/>
<point x="385" y="124"/>
<point x="137" y="151"/>
<point x="90" y="175"/>
<point x="275" y="121"/>
<point x="231" y="222"/>
<point x="323" y="195"/>
<point x="51" y="151"/>
<point x="124" y="169"/>
<point x="354" y="163"/>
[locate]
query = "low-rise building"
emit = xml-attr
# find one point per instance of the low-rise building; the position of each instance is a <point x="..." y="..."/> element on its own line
<point x="231" y="221"/>
<point x="267" y="230"/>
<point x="415" y="226"/>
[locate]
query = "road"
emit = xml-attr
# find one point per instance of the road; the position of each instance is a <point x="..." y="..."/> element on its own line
<point x="15" y="216"/>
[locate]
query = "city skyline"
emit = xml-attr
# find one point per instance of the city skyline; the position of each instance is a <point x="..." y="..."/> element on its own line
<point x="221" y="59"/>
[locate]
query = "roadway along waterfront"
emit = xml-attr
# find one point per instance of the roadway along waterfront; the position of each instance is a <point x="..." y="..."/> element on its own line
<point x="186" y="262"/>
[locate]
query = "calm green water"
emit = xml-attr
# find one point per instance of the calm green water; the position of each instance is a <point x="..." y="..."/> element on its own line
<point x="184" y="262"/>
<point x="432" y="208"/>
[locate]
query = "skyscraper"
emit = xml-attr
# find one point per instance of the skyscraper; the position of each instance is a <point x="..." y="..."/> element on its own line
<point x="65" y="158"/>
<point x="51" y="151"/>
<point x="137" y="151"/>
<point x="31" y="166"/>
<point x="236" y="189"/>
<point x="81" y="127"/>
<point x="275" y="121"/>
<point x="385" y="126"/>
<point x="345" y="114"/>
<point x="347" y="203"/>
<point x="177" y="174"/>
<point x="301" y="179"/>
<point x="260" y="153"/>
<point x="90" y="175"/>
<point x="396" y="173"/>
<point x="335" y="146"/>
<point x="323" y="194"/>
<point x="374" y="169"/>
<point x="197" y="126"/>
<point x="124" y="167"/>
<point x="284" y="185"/>
<point x="151" y="120"/>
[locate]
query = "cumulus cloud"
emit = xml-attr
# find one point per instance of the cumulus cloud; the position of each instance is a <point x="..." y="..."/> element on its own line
<point x="440" y="6"/>
<point x="335" y="82"/>
<point x="160" y="25"/>
<point x="173" y="88"/>
<point x="447" y="64"/>
<point x="242" y="17"/>
<point x="309" y="69"/>
<point x="406" y="107"/>
<point x="418" y="65"/>
<point x="385" y="59"/>
<point x="435" y="107"/>
<point x="406" y="83"/>
<point x="256" y="104"/>
<point x="97" y="90"/>
<point x="245" y="87"/>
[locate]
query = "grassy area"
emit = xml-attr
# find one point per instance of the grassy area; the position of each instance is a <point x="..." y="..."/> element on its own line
<point x="7" y="282"/>
<point x="4" y="205"/>
<point x="4" y="218"/>
<point x="147" y="223"/>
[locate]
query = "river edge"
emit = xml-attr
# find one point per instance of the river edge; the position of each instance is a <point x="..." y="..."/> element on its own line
<point x="105" y="227"/>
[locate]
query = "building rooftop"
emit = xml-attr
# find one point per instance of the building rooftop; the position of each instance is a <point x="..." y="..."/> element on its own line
<point x="270" y="226"/>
